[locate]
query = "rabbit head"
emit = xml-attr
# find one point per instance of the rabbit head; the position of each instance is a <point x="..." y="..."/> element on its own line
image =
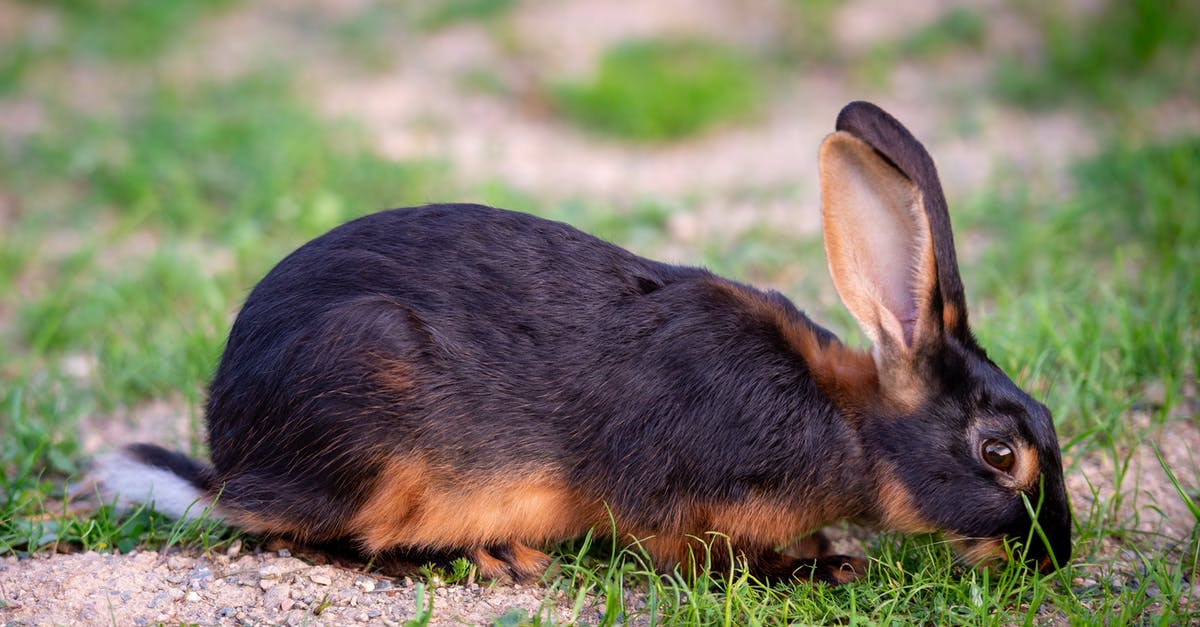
<point x="955" y="445"/>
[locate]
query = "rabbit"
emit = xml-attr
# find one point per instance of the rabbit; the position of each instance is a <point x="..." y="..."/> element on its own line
<point x="476" y="382"/>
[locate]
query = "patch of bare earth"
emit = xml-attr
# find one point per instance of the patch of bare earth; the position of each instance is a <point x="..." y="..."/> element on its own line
<point x="146" y="587"/>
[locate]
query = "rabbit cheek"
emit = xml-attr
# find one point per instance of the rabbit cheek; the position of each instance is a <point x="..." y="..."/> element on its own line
<point x="897" y="509"/>
<point x="411" y="506"/>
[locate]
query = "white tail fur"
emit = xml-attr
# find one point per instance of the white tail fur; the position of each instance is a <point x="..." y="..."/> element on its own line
<point x="128" y="483"/>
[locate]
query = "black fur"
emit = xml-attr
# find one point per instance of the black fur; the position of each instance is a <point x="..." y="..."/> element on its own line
<point x="498" y="344"/>
<point x="534" y="343"/>
<point x="181" y="465"/>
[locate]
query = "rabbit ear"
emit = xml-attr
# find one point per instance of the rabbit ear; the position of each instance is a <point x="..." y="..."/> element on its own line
<point x="896" y="144"/>
<point x="880" y="248"/>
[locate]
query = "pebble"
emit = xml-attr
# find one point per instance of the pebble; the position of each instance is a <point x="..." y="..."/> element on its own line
<point x="321" y="579"/>
<point x="235" y="547"/>
<point x="277" y="596"/>
<point x="175" y="594"/>
<point x="192" y="597"/>
<point x="367" y="585"/>
<point x="267" y="584"/>
<point x="284" y="553"/>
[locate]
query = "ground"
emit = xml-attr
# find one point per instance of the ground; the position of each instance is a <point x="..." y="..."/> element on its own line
<point x="472" y="96"/>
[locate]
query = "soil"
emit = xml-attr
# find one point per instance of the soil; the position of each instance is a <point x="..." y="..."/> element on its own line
<point x="145" y="587"/>
<point x="758" y="173"/>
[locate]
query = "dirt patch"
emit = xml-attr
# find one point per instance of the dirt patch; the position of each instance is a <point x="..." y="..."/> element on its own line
<point x="1146" y="500"/>
<point x="141" y="588"/>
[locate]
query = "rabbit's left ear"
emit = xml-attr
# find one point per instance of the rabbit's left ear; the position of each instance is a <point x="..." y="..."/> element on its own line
<point x="897" y="147"/>
<point x="880" y="250"/>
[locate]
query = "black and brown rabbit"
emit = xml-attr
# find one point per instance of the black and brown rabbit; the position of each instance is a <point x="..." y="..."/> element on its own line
<point x="478" y="382"/>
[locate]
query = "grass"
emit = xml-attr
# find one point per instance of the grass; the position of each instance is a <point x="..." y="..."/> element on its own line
<point x="450" y="12"/>
<point x="122" y="30"/>
<point x="139" y="228"/>
<point x="656" y="90"/>
<point x="957" y="31"/>
<point x="1124" y="55"/>
<point x="1129" y="239"/>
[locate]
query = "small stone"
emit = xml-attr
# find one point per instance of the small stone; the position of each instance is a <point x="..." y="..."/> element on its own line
<point x="270" y="571"/>
<point x="175" y="594"/>
<point x="408" y="582"/>
<point x="267" y="584"/>
<point x="320" y="579"/>
<point x="373" y="613"/>
<point x="192" y="597"/>
<point x="365" y="584"/>
<point x="362" y="617"/>
<point x="286" y="604"/>
<point x="277" y="596"/>
<point x="175" y="562"/>
<point x="284" y="553"/>
<point x="235" y="547"/>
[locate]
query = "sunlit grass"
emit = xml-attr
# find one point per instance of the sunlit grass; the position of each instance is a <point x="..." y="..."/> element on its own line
<point x="662" y="89"/>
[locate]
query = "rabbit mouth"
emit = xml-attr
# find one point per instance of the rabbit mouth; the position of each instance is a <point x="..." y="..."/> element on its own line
<point x="990" y="552"/>
<point x="978" y="551"/>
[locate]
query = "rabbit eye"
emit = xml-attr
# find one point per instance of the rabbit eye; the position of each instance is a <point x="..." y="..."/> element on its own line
<point x="998" y="455"/>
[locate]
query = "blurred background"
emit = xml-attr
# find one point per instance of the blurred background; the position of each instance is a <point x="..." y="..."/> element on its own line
<point x="156" y="158"/>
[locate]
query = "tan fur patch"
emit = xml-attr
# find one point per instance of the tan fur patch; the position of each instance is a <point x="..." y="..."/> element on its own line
<point x="978" y="551"/>
<point x="528" y="561"/>
<point x="845" y="375"/>
<point x="896" y="508"/>
<point x="1028" y="467"/>
<point x="414" y="505"/>
<point x="258" y="524"/>
<point x="489" y="567"/>
<point x="809" y="547"/>
<point x="1027" y="471"/>
<point x="717" y="532"/>
<point x="523" y="563"/>
<point x="760" y="522"/>
<point x="951" y="318"/>
<point x="850" y="570"/>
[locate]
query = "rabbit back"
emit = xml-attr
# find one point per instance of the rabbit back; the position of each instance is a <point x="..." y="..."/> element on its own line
<point x="455" y="375"/>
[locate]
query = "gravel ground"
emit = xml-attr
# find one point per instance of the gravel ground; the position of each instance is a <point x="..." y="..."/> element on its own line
<point x="146" y="587"/>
